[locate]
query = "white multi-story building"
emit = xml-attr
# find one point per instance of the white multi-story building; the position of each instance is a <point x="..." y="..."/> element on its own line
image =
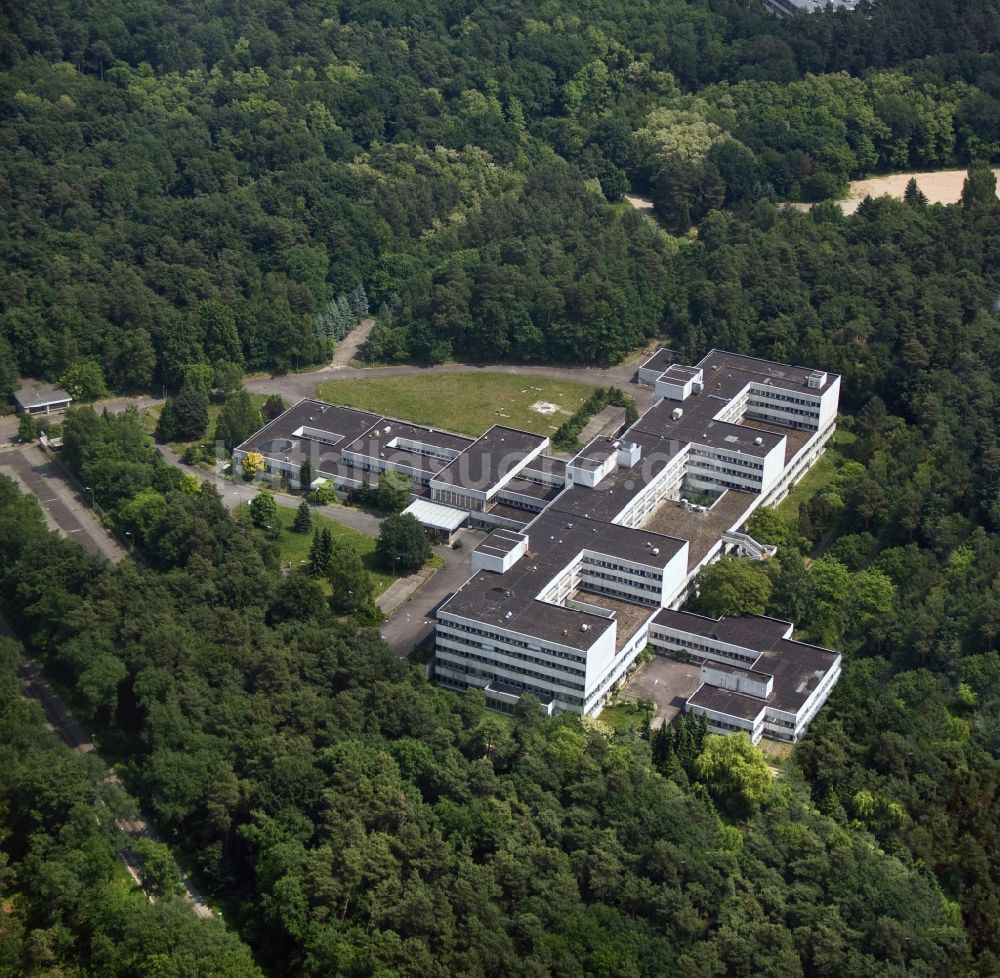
<point x="786" y="8"/>
<point x="582" y="588"/>
<point x="588" y="557"/>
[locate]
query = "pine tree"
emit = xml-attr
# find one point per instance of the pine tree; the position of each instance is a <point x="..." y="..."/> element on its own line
<point x="303" y="518"/>
<point x="913" y="195"/>
<point x="321" y="553"/>
<point x="305" y="475"/>
<point x="359" y="303"/>
<point x="346" y="320"/>
<point x="314" y="557"/>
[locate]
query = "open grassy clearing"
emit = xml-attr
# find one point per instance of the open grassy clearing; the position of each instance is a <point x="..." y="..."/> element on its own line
<point x="295" y="546"/>
<point x="818" y="477"/>
<point x="622" y="714"/>
<point x="468" y="403"/>
<point x="152" y="414"/>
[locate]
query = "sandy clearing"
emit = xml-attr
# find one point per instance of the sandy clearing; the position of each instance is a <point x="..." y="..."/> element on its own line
<point x="939" y="186"/>
<point x="639" y="203"/>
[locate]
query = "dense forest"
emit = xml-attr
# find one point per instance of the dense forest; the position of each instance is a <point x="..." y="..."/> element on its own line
<point x="207" y="183"/>
<point x="357" y="821"/>
<point x="189" y="190"/>
<point x="66" y="901"/>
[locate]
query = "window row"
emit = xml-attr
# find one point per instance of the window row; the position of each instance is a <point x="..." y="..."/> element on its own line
<point x="493" y="636"/>
<point x="469" y="643"/>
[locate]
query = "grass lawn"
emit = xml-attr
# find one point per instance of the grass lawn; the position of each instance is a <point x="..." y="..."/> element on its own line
<point x="467" y="403"/>
<point x="819" y="476"/>
<point x="295" y="546"/>
<point x="622" y="714"/>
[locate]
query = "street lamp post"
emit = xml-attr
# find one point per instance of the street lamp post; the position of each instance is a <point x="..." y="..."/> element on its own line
<point x="131" y="541"/>
<point x="90" y="489"/>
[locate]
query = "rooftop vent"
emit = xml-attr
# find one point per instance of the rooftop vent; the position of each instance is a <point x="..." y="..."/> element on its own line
<point x="758" y="440"/>
<point x="585" y="627"/>
<point x="656" y="551"/>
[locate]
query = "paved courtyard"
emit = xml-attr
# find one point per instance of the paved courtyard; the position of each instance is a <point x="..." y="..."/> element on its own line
<point x="666" y="683"/>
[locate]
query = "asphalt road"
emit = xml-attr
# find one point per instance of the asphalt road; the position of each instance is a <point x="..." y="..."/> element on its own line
<point x="65" y="509"/>
<point x="413" y="621"/>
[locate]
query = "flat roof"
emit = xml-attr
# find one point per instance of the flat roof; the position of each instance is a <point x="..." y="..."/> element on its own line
<point x="489" y="598"/>
<point x="681" y="372"/>
<point x="728" y="701"/>
<point x="323" y="430"/>
<point x="484" y="462"/>
<point x="778" y="374"/>
<point x="752" y="674"/>
<point x="501" y="542"/>
<point x="703" y="531"/>
<point x="659" y="361"/>
<point x="754" y="632"/>
<point x="37" y="393"/>
<point x="595" y="454"/>
<point x="541" y="491"/>
<point x="553" y="540"/>
<point x="630" y="617"/>
<point x="515" y="514"/>
<point x="572" y="535"/>
<point x="547" y="465"/>
<point x="697" y="425"/>
<point x="798" y="669"/>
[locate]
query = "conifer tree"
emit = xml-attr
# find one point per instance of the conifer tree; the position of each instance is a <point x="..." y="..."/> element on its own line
<point x="345" y="317"/>
<point x="359" y="303"/>
<point x="321" y="553"/>
<point x="303" y="519"/>
<point x="351" y="585"/>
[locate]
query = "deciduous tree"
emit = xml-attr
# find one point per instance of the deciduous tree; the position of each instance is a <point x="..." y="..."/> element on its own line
<point x="402" y="544"/>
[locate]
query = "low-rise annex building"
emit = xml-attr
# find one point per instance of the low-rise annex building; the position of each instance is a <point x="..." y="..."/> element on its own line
<point x="37" y="397"/>
<point x="587" y="556"/>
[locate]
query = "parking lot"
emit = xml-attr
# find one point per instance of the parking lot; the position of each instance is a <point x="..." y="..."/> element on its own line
<point x="666" y="683"/>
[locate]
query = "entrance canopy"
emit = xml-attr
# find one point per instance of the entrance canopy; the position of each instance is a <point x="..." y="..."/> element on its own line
<point x="436" y="516"/>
